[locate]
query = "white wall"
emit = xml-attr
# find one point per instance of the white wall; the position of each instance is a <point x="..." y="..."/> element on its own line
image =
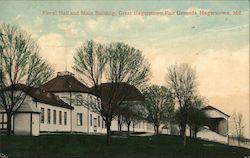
<point x="215" y="114"/>
<point x="223" y="124"/>
<point x="22" y="124"/>
<point x="51" y="126"/>
<point x="223" y="127"/>
<point x="86" y="112"/>
<point x="35" y="124"/>
<point x="212" y="136"/>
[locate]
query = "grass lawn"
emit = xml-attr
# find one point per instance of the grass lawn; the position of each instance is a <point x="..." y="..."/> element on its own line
<point x="70" y="145"/>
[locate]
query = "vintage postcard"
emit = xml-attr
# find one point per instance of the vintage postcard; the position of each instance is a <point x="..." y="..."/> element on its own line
<point x="144" y="78"/>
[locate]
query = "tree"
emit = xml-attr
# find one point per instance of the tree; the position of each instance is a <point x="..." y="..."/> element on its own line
<point x="196" y="119"/>
<point x="182" y="80"/>
<point x="114" y="63"/>
<point x="159" y="102"/>
<point x="131" y="114"/>
<point x="196" y="116"/>
<point x="238" y="126"/>
<point x="20" y="63"/>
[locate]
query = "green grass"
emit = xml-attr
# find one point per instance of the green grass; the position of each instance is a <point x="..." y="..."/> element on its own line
<point x="73" y="145"/>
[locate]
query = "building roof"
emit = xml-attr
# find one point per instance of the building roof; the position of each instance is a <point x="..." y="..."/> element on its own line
<point x="28" y="108"/>
<point x="209" y="107"/>
<point x="41" y="96"/>
<point x="118" y="92"/>
<point x="65" y="82"/>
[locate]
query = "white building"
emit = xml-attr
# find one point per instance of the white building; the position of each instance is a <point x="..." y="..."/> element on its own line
<point x="63" y="105"/>
<point x="60" y="105"/>
<point x="217" y="125"/>
<point x="40" y="111"/>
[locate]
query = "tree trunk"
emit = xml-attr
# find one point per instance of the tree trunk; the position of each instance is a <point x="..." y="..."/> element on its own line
<point x="120" y="128"/>
<point x="128" y="129"/>
<point x="190" y="131"/>
<point x="108" y="124"/>
<point x="133" y="127"/>
<point x="183" y="133"/>
<point x="195" y="132"/>
<point x="9" y="123"/>
<point x="157" y="129"/>
<point x="238" y="141"/>
<point x="119" y="125"/>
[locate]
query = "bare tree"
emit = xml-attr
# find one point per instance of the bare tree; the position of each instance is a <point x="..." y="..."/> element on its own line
<point x="238" y="126"/>
<point x="159" y="101"/>
<point x="20" y="63"/>
<point x="182" y="80"/>
<point x="115" y="63"/>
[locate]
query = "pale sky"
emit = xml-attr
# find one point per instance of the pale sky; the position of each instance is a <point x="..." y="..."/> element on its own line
<point x="217" y="47"/>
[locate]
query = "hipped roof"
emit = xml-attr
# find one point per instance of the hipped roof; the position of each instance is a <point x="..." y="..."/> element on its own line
<point x="40" y="95"/>
<point x="65" y="82"/>
<point x="117" y="92"/>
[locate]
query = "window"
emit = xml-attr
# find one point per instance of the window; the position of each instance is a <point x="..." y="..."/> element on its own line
<point x="54" y="116"/>
<point x="78" y="100"/>
<point x="65" y="118"/>
<point x="48" y="120"/>
<point x="90" y="119"/>
<point x="90" y="99"/>
<point x="99" y="123"/>
<point x="42" y="115"/>
<point x="79" y="119"/>
<point x="60" y="117"/>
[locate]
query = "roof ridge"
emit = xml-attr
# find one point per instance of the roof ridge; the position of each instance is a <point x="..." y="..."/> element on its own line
<point x="42" y="97"/>
<point x="212" y="107"/>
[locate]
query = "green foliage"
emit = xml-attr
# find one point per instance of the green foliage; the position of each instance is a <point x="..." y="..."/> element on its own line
<point x="196" y="118"/>
<point x="20" y="58"/>
<point x="193" y="113"/>
<point x="182" y="80"/>
<point x="159" y="102"/>
<point x="90" y="61"/>
<point x="126" y="64"/>
<point x="20" y="63"/>
<point x="113" y="63"/>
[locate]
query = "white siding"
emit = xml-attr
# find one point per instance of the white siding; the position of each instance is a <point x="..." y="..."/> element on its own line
<point x="49" y="127"/>
<point x="84" y="112"/>
<point x="212" y="136"/>
<point x="22" y="124"/>
<point x="215" y="114"/>
<point x="223" y="127"/>
<point x="35" y="124"/>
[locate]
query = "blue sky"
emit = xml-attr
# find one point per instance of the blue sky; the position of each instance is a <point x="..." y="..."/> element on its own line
<point x="216" y="46"/>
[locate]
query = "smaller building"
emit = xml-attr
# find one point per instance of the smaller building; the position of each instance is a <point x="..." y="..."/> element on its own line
<point x="216" y="128"/>
<point x="35" y="113"/>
